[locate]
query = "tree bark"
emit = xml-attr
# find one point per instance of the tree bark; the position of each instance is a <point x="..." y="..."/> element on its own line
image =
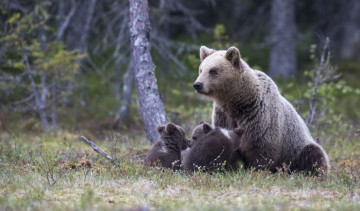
<point x="40" y="104"/>
<point x="128" y="80"/>
<point x="282" y="39"/>
<point x="151" y="107"/>
<point x="76" y="38"/>
<point x="54" y="90"/>
<point x="63" y="24"/>
<point x="351" y="35"/>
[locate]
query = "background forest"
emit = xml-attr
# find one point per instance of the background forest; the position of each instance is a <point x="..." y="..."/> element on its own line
<point x="66" y="70"/>
<point x="79" y="54"/>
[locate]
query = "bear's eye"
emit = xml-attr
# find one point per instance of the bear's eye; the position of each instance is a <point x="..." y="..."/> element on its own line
<point x="194" y="138"/>
<point x="213" y="72"/>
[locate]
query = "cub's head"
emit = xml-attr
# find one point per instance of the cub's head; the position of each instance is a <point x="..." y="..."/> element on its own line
<point x="173" y="133"/>
<point x="218" y="69"/>
<point x="202" y="129"/>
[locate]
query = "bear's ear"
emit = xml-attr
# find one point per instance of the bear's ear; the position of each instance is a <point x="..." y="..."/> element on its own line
<point x="201" y="122"/>
<point x="205" y="52"/>
<point x="207" y="128"/>
<point x="233" y="55"/>
<point x="160" y="128"/>
<point x="170" y="128"/>
<point x="238" y="131"/>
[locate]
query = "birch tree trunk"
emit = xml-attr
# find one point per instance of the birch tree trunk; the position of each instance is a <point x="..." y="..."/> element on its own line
<point x="282" y="39"/>
<point x="39" y="102"/>
<point x="151" y="107"/>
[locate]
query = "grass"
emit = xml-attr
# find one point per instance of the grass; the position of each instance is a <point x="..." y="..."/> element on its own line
<point x="41" y="172"/>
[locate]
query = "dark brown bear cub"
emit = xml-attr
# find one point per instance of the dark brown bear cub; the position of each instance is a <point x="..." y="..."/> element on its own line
<point x="166" y="152"/>
<point x="212" y="149"/>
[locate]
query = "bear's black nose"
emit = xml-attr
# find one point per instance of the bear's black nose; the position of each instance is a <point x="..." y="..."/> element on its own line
<point x="197" y="86"/>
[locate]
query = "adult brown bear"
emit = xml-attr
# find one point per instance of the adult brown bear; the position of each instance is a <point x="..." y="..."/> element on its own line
<point x="273" y="132"/>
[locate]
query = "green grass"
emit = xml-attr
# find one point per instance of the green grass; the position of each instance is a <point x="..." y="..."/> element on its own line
<point x="79" y="179"/>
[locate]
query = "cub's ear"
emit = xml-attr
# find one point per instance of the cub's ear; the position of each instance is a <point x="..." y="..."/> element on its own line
<point x="205" y="52"/>
<point x="201" y="122"/>
<point x="170" y="128"/>
<point x="207" y="128"/>
<point x="160" y="128"/>
<point x="233" y="55"/>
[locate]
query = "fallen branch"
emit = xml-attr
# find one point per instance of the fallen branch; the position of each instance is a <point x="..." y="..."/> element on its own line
<point x="97" y="149"/>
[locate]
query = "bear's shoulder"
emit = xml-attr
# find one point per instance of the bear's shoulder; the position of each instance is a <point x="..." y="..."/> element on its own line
<point x="267" y="85"/>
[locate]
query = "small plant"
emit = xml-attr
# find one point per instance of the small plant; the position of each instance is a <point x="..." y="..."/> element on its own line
<point x="46" y="165"/>
<point x="323" y="88"/>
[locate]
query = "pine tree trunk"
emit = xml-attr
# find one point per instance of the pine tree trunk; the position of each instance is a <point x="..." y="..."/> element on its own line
<point x="351" y="30"/>
<point x="282" y="39"/>
<point x="151" y="107"/>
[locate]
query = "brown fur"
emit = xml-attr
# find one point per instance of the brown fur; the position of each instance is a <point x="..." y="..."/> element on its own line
<point x="167" y="150"/>
<point x="212" y="150"/>
<point x="311" y="160"/>
<point x="273" y="131"/>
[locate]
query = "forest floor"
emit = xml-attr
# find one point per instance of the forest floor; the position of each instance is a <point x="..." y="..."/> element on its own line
<point x="47" y="172"/>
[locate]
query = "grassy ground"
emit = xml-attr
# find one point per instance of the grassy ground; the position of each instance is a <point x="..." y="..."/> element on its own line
<point x="42" y="172"/>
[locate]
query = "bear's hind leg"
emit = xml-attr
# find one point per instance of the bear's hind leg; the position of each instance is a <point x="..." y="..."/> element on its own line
<point x="311" y="159"/>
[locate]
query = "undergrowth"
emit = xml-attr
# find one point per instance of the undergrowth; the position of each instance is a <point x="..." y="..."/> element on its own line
<point x="39" y="172"/>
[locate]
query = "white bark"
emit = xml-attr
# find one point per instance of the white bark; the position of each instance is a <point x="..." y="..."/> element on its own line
<point x="151" y="107"/>
<point x="40" y="104"/>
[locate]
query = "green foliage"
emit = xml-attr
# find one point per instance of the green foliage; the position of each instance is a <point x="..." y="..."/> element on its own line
<point x="56" y="61"/>
<point x="46" y="165"/>
<point x="221" y="39"/>
<point x="33" y="64"/>
<point x="334" y="101"/>
<point x="330" y="88"/>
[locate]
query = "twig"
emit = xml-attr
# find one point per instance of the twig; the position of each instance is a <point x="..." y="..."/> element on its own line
<point x="66" y="22"/>
<point x="97" y="149"/>
<point x="216" y="157"/>
<point x="310" y="116"/>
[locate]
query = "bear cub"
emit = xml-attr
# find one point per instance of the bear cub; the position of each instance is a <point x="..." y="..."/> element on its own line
<point x="212" y="149"/>
<point x="166" y="152"/>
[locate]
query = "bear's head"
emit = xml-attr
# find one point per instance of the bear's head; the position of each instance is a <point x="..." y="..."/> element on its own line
<point x="218" y="71"/>
<point x="204" y="130"/>
<point x="199" y="131"/>
<point x="174" y="134"/>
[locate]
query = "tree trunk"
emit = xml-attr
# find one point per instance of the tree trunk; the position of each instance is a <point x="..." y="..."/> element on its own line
<point x="282" y="39"/>
<point x="151" y="107"/>
<point x="351" y="35"/>
<point x="128" y="80"/>
<point x="83" y="48"/>
<point x="40" y="104"/>
<point x="54" y="90"/>
<point x="64" y="21"/>
<point x="76" y="38"/>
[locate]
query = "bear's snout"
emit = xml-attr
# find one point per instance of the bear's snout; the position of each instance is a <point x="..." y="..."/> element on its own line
<point x="198" y="86"/>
